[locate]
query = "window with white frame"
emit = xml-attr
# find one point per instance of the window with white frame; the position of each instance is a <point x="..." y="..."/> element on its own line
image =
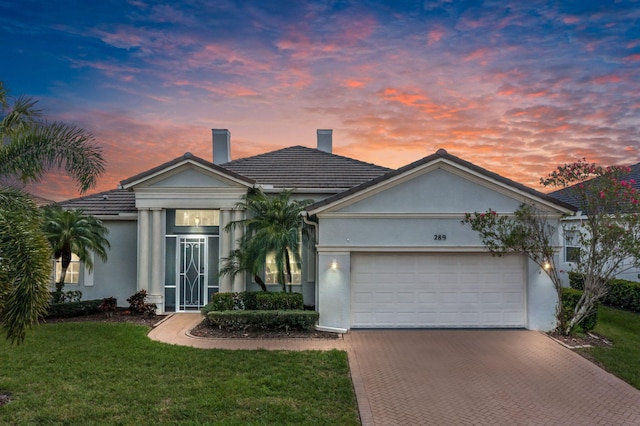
<point x="73" y="271"/>
<point x="571" y="245"/>
<point x="271" y="271"/>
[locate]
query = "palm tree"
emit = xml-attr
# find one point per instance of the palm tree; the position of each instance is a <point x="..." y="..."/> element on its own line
<point x="72" y="232"/>
<point x="25" y="264"/>
<point x="273" y="225"/>
<point x="29" y="147"/>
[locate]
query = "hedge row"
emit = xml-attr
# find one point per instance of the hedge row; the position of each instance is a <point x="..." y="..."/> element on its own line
<point x="73" y="309"/>
<point x="622" y="294"/>
<point x="263" y="320"/>
<point x="254" y="300"/>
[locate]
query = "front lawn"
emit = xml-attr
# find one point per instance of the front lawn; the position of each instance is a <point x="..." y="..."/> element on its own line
<point x="93" y="373"/>
<point x="623" y="329"/>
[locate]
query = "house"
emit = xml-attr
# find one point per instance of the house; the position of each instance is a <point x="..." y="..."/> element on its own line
<point x="390" y="247"/>
<point x="569" y="225"/>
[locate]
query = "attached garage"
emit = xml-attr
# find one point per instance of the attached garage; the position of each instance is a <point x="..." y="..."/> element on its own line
<point x="437" y="290"/>
<point x="395" y="252"/>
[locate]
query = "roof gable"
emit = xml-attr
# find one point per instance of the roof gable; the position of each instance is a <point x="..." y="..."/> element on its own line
<point x="438" y="183"/>
<point x="186" y="171"/>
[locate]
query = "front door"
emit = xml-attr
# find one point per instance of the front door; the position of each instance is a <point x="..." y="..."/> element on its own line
<point x="192" y="273"/>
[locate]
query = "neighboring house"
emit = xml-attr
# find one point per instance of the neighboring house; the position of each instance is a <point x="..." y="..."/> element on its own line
<point x="390" y="252"/>
<point x="571" y="248"/>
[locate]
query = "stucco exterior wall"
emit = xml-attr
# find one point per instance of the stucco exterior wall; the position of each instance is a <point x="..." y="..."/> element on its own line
<point x="116" y="277"/>
<point x="541" y="299"/>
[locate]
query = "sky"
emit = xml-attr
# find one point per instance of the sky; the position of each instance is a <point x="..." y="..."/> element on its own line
<point x="516" y="87"/>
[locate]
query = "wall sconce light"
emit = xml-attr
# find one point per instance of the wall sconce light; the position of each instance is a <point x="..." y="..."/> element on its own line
<point x="547" y="266"/>
<point x="197" y="220"/>
<point x="334" y="265"/>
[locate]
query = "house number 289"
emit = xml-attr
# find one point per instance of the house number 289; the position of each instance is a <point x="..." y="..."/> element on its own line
<point x="439" y="237"/>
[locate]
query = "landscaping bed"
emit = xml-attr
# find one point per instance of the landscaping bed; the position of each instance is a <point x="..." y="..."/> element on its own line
<point x="205" y="330"/>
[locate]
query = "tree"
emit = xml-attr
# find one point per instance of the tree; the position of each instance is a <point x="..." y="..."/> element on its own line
<point x="273" y="225"/>
<point x="609" y="233"/>
<point x="72" y="232"/>
<point x="25" y="264"/>
<point x="29" y="148"/>
<point x="609" y="228"/>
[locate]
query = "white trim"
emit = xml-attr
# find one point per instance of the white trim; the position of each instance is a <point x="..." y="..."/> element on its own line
<point x="326" y="249"/>
<point x="383" y="215"/>
<point x="331" y="329"/>
<point x="174" y="169"/>
<point x="444" y="164"/>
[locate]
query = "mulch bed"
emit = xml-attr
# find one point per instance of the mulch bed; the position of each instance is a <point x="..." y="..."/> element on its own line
<point x="205" y="330"/>
<point x="578" y="342"/>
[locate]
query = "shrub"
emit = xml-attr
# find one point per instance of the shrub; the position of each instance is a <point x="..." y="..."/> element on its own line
<point x="623" y="294"/>
<point x="263" y="320"/>
<point x="220" y="302"/>
<point x="73" y="309"/>
<point x="570" y="297"/>
<point x="279" y="301"/>
<point x="576" y="280"/>
<point x="254" y="300"/>
<point x="68" y="296"/>
<point x="109" y="305"/>
<point x="137" y="304"/>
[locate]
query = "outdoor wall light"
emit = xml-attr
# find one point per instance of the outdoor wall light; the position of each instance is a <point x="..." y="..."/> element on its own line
<point x="334" y="265"/>
<point x="547" y="266"/>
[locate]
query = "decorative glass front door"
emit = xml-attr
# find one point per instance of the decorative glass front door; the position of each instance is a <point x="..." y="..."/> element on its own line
<point x="192" y="274"/>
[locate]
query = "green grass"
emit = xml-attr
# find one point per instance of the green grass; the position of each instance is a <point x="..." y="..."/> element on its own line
<point x="623" y="329"/>
<point x="92" y="373"/>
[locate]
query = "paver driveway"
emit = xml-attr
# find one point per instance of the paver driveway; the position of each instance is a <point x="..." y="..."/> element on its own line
<point x="482" y="377"/>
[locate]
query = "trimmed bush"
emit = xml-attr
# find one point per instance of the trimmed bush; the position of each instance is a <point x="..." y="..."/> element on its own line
<point x="279" y="301"/>
<point x="220" y="302"/>
<point x="570" y="298"/>
<point x="263" y="320"/>
<point x="73" y="309"/>
<point x="623" y="294"/>
<point x="254" y="301"/>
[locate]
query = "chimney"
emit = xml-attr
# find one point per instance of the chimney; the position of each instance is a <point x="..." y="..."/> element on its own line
<point x="325" y="140"/>
<point x="221" y="146"/>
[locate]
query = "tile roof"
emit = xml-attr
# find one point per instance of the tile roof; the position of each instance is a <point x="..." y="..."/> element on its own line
<point x="302" y="167"/>
<point x="108" y="203"/>
<point x="294" y="167"/>
<point x="567" y="194"/>
<point x="441" y="153"/>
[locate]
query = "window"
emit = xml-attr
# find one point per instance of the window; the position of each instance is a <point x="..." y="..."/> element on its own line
<point x="197" y="218"/>
<point x="271" y="271"/>
<point x="73" y="271"/>
<point x="571" y="246"/>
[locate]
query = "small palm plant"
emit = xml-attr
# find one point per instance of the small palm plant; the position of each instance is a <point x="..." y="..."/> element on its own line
<point x="73" y="232"/>
<point x="273" y="225"/>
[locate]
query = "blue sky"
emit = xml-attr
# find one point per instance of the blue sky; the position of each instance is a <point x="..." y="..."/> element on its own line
<point x="516" y="87"/>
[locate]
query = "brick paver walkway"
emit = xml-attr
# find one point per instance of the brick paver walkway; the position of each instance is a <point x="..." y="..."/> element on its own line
<point x="480" y="377"/>
<point x="175" y="330"/>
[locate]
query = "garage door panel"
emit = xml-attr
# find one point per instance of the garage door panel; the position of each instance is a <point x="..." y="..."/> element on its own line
<point x="437" y="290"/>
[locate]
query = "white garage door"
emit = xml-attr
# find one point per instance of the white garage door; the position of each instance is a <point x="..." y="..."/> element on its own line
<point x="456" y="290"/>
